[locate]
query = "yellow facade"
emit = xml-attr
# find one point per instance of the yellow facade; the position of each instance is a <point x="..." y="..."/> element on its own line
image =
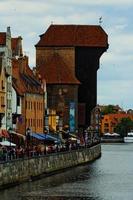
<point x="34" y="110"/>
<point x="52" y="120"/>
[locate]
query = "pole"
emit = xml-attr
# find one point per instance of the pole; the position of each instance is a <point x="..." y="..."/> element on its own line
<point x="28" y="139"/>
<point x="9" y="131"/>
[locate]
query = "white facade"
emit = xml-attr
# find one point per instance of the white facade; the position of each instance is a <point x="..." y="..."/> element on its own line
<point x="8" y="71"/>
<point x="16" y="107"/>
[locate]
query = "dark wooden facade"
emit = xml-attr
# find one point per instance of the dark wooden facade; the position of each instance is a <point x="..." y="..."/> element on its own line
<point x="80" y="47"/>
<point x="86" y="66"/>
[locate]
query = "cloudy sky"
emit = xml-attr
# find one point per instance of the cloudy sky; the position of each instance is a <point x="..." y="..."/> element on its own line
<point x="30" y="18"/>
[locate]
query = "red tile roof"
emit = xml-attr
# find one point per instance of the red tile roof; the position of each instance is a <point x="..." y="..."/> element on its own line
<point x="118" y="116"/>
<point x="74" y="35"/>
<point x="55" y="71"/>
<point x="24" y="81"/>
<point x="2" y="38"/>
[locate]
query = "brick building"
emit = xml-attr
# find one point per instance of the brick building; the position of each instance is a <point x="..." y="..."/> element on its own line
<point x="62" y="90"/>
<point x="30" y="93"/>
<point x="80" y="48"/>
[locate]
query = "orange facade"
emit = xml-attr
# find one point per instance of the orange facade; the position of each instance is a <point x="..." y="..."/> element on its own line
<point x="34" y="112"/>
<point x="110" y="121"/>
<point x="32" y="97"/>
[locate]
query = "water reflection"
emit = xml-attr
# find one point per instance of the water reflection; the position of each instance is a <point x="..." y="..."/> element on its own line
<point x="108" y="178"/>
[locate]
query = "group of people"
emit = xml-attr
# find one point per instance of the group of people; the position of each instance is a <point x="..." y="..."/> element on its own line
<point x="8" y="153"/>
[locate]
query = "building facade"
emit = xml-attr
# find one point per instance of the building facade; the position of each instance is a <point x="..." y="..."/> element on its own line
<point x="29" y="96"/>
<point x="5" y="49"/>
<point x="80" y="47"/>
<point x="62" y="92"/>
<point x="2" y="94"/>
<point x="110" y="121"/>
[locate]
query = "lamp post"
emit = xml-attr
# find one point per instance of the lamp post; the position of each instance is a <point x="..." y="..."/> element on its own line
<point x="28" y="131"/>
<point x="10" y="131"/>
<point x="45" y="132"/>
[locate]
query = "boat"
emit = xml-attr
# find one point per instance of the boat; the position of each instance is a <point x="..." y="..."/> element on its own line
<point x="129" y="137"/>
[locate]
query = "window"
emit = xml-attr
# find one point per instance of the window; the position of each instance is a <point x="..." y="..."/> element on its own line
<point x="106" y="125"/>
<point x="18" y="101"/>
<point x="2" y="84"/>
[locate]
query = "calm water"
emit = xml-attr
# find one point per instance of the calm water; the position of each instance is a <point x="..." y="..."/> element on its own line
<point x="108" y="178"/>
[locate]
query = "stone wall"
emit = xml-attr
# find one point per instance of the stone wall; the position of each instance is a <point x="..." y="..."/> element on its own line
<point x="18" y="171"/>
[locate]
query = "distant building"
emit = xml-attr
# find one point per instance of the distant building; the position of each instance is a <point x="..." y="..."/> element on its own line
<point x="115" y="108"/>
<point x="110" y="121"/>
<point x="80" y="48"/>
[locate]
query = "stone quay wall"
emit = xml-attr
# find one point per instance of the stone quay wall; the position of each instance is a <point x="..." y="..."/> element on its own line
<point x="17" y="171"/>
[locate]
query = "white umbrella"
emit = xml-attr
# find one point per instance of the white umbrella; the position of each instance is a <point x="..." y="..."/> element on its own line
<point x="115" y="134"/>
<point x="130" y="134"/>
<point x="107" y="134"/>
<point x="7" y="143"/>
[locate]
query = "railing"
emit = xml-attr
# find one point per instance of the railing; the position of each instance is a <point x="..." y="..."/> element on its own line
<point x="16" y="154"/>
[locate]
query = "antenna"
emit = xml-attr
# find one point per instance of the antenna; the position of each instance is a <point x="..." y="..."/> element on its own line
<point x="100" y="20"/>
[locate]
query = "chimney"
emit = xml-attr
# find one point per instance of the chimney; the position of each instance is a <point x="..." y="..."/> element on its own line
<point x="23" y="64"/>
<point x="20" y="50"/>
<point x="8" y="30"/>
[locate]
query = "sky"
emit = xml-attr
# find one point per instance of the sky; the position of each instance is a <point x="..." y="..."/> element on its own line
<point x="31" y="18"/>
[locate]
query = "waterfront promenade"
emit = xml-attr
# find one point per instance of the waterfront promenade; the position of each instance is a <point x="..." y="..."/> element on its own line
<point x="27" y="168"/>
<point x="108" y="178"/>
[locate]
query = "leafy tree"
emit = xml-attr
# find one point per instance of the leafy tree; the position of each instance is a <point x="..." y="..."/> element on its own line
<point x="124" y="126"/>
<point x="108" y="109"/>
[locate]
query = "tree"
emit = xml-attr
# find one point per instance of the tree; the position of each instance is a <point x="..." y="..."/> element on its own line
<point x="108" y="109"/>
<point x="124" y="126"/>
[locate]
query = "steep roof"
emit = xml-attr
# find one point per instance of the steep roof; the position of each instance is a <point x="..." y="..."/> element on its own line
<point x="74" y="35"/>
<point x="2" y="38"/>
<point x="55" y="71"/>
<point x="117" y="116"/>
<point x="24" y="81"/>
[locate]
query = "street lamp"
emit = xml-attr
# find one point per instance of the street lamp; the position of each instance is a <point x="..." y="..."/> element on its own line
<point x="10" y="131"/>
<point x="45" y="132"/>
<point x="28" y="131"/>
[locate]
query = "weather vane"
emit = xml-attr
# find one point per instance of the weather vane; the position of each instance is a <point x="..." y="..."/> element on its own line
<point x="100" y="20"/>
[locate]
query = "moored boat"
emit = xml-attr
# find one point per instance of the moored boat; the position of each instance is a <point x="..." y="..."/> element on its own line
<point x="129" y="137"/>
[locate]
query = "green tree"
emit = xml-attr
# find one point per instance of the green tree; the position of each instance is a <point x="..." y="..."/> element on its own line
<point x="108" y="109"/>
<point x="124" y="126"/>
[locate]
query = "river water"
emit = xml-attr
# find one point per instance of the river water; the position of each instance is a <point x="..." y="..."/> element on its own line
<point x="108" y="178"/>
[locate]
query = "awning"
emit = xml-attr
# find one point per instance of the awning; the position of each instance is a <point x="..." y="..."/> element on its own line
<point x="51" y="137"/>
<point x="4" y="133"/>
<point x="7" y="143"/>
<point x="45" y="137"/>
<point x="18" y="134"/>
<point x="37" y="136"/>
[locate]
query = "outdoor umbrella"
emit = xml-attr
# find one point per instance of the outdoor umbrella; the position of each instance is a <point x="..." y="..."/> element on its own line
<point x="7" y="143"/>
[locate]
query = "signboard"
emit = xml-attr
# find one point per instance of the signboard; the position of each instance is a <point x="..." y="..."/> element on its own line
<point x="72" y="117"/>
